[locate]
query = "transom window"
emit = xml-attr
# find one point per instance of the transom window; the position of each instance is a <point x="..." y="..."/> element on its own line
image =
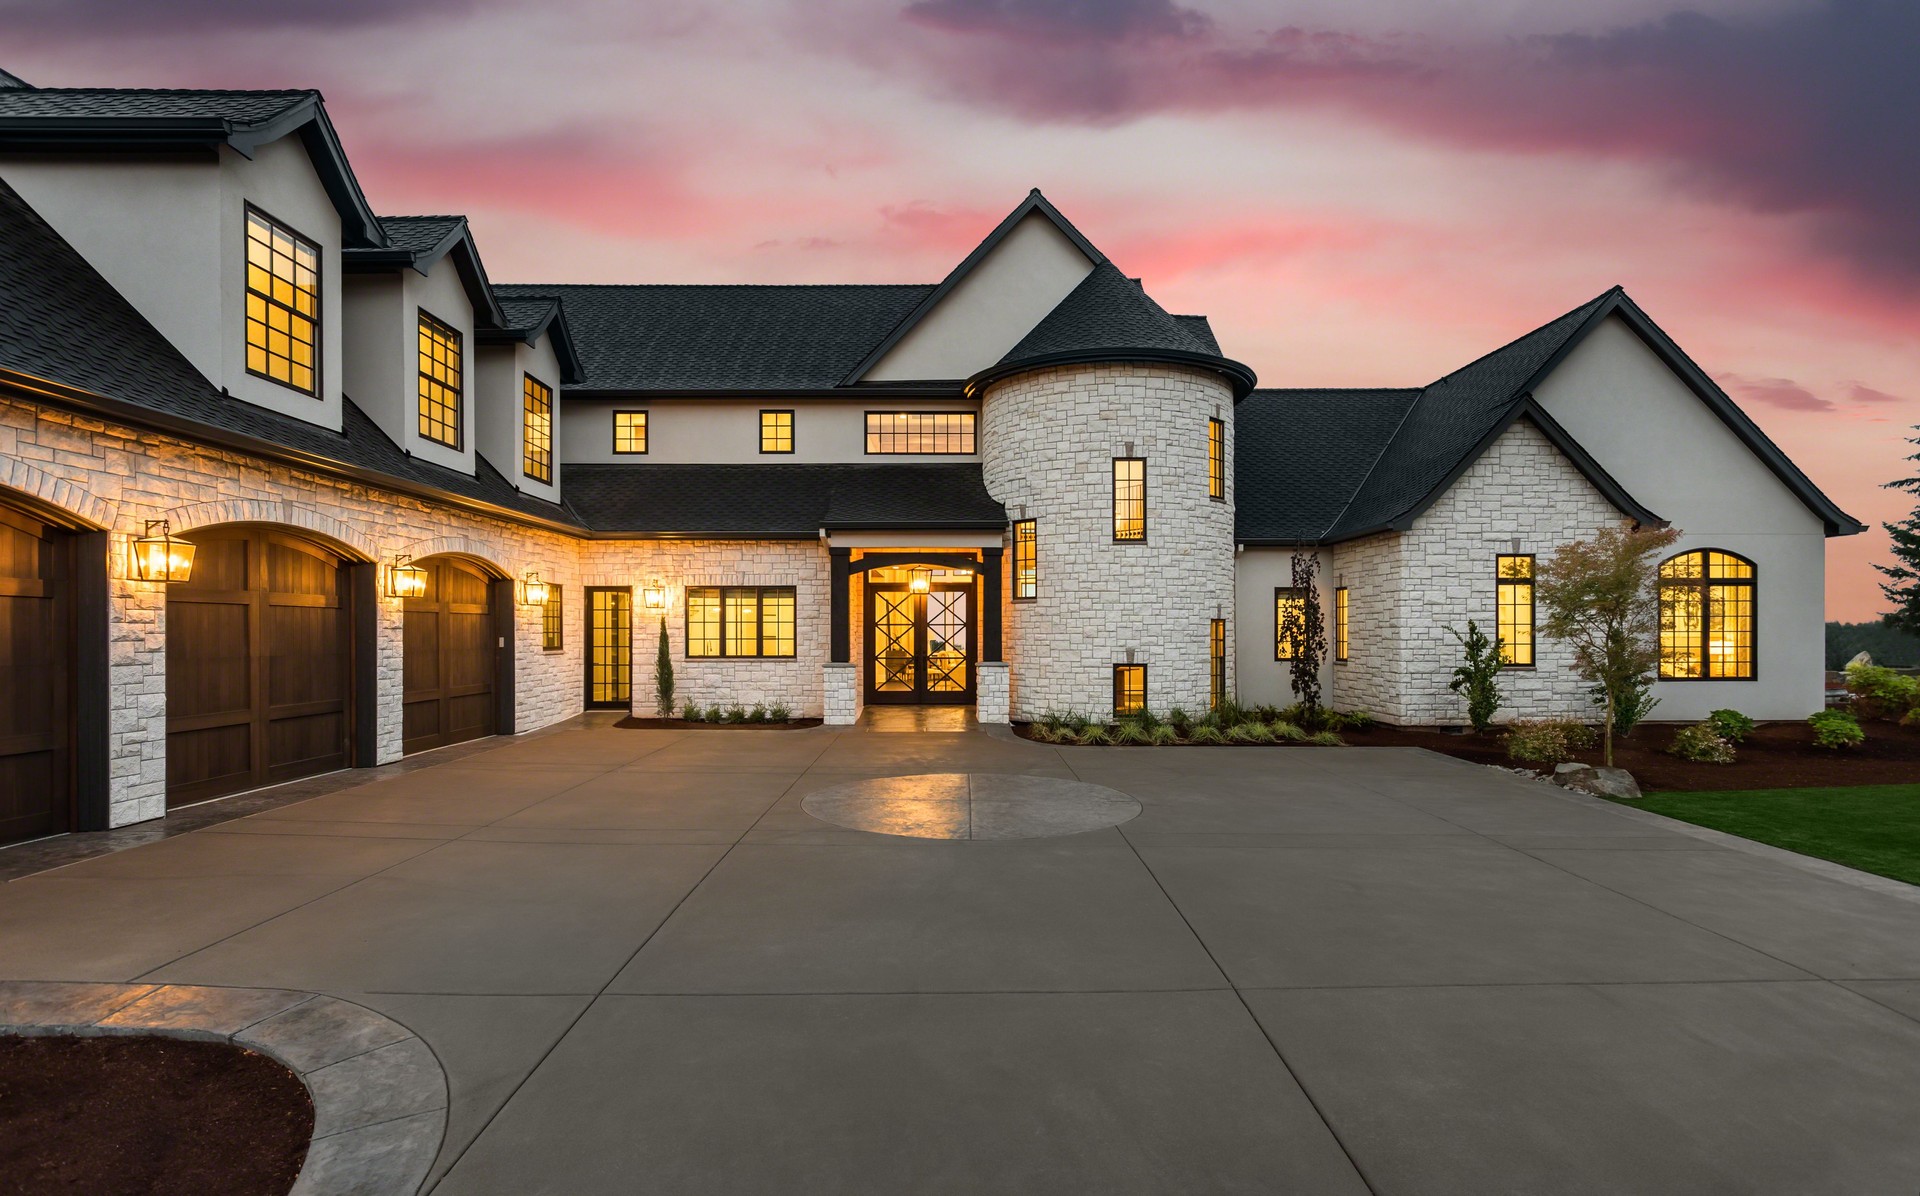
<point x="1289" y="616"/>
<point x="740" y="621"/>
<point x="1129" y="499"/>
<point x="1706" y="617"/>
<point x="537" y="435"/>
<point x="552" y="623"/>
<point x="1340" y="625"/>
<point x="1026" y="562"/>
<point x="1217" y="460"/>
<point x="919" y="431"/>
<point x="1513" y="578"/>
<point x="776" y="431"/>
<point x="1216" y="663"/>
<point x="1129" y="688"/>
<point x="283" y="304"/>
<point x="629" y="431"/>
<point x="439" y="381"/>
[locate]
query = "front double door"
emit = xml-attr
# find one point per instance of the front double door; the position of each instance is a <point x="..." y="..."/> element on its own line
<point x="920" y="645"/>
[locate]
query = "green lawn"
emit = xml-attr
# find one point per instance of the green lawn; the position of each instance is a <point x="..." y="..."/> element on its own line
<point x="1875" y="828"/>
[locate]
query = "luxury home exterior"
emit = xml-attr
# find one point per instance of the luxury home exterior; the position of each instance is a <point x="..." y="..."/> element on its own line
<point x="422" y="506"/>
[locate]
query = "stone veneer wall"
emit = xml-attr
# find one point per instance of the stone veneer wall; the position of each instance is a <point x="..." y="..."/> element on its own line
<point x="1048" y="439"/>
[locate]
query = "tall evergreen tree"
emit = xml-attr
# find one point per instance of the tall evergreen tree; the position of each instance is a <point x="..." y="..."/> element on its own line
<point x="1903" y="588"/>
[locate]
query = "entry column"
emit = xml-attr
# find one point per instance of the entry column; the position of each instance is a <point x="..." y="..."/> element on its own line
<point x="993" y="697"/>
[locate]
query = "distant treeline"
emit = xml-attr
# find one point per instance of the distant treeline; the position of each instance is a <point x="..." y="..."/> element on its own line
<point x="1890" y="647"/>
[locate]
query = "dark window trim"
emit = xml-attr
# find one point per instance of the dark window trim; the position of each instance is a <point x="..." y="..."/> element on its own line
<point x="1533" y="608"/>
<point x="871" y="412"/>
<point x="1113" y="502"/>
<point x="1753" y="614"/>
<point x="319" y="299"/>
<point x="1277" y="592"/>
<point x="1017" y="596"/>
<point x="1342" y="618"/>
<point x="1216" y="424"/>
<point x="459" y="444"/>
<point x="793" y="430"/>
<point x="759" y="608"/>
<point x="525" y="378"/>
<point x="556" y="602"/>
<point x="645" y="418"/>
<point x="1144" y="701"/>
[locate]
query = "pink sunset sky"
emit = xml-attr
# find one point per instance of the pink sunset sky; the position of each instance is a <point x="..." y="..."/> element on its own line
<point x="1356" y="194"/>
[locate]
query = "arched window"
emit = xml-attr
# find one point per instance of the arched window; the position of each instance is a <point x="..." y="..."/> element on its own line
<point x="1706" y="617"/>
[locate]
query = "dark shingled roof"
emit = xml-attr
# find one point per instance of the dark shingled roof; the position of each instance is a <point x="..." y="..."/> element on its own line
<point x="749" y="500"/>
<point x="526" y="313"/>
<point x="120" y="103"/>
<point x="61" y="322"/>
<point x="1201" y="332"/>
<point x="724" y="338"/>
<point x="420" y="234"/>
<point x="1299" y="455"/>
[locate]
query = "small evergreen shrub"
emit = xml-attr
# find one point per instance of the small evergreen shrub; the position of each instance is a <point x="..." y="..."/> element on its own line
<point x="1730" y="725"/>
<point x="736" y="714"/>
<point x="1349" y="720"/>
<point x="1475" y="676"/>
<point x="1326" y="739"/>
<point x="779" y="712"/>
<point x="1206" y="733"/>
<point x="1179" y="720"/>
<point x="1287" y="732"/>
<point x="1702" y="744"/>
<point x="1836" y="729"/>
<point x="1547" y="740"/>
<point x="758" y="714"/>
<point x="690" y="712"/>
<point x="1882" y="693"/>
<point x="1266" y="714"/>
<point x="712" y="715"/>
<point x="1631" y="705"/>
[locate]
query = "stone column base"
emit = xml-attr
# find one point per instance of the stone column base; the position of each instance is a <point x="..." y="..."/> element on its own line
<point x="841" y="684"/>
<point x="992" y="694"/>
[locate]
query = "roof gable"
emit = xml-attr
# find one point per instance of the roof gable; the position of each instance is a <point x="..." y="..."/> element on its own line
<point x="419" y="243"/>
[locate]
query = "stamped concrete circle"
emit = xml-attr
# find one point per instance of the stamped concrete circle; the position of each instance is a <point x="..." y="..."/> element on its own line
<point x="971" y="805"/>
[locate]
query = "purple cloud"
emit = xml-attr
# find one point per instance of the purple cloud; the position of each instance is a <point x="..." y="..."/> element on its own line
<point x="1861" y="393"/>
<point x="1069" y="20"/>
<point x="217" y="16"/>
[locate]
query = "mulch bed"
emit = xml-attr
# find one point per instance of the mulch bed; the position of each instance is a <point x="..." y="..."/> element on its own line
<point x="150" y="1115"/>
<point x="681" y="724"/>
<point x="1775" y="756"/>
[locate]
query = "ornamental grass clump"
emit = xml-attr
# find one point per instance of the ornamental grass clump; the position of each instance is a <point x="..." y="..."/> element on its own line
<point x="1326" y="739"/>
<point x="1206" y="733"/>
<point x="1701" y="744"/>
<point x="1836" y="730"/>
<point x="1164" y="735"/>
<point x="1287" y="732"/>
<point x="1250" y="733"/>
<point x="1094" y="735"/>
<point x="1132" y="733"/>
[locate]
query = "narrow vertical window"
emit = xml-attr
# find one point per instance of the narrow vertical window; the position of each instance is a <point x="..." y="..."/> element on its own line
<point x="283" y="305"/>
<point x="439" y="382"/>
<point x="1340" y="625"/>
<point x="1515" y="608"/>
<point x="1706" y="617"/>
<point x="1216" y="663"/>
<point x="609" y="654"/>
<point x="629" y="431"/>
<point x="1289" y="615"/>
<point x="552" y="622"/>
<point x="1129" y="688"/>
<point x="1026" y="562"/>
<point x="537" y="433"/>
<point x="776" y="431"/>
<point x="1217" y="460"/>
<point x="703" y="621"/>
<point x="1129" y="499"/>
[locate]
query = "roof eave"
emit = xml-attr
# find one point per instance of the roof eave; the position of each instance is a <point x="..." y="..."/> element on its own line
<point x="1241" y="376"/>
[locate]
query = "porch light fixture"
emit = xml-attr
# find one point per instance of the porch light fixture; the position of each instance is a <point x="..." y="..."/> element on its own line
<point x="653" y="596"/>
<point x="161" y="557"/>
<point x="406" y="579"/>
<point x="920" y="582"/>
<point x="533" y="591"/>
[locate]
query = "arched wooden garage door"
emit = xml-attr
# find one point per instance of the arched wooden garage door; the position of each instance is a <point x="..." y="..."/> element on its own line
<point x="451" y="658"/>
<point x="259" y="663"/>
<point x="36" y="678"/>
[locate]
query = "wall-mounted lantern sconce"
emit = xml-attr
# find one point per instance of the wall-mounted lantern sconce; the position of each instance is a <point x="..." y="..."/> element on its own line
<point x="406" y="579"/>
<point x="533" y="591"/>
<point x="920" y="582"/>
<point x="160" y="557"/>
<point x="653" y="596"/>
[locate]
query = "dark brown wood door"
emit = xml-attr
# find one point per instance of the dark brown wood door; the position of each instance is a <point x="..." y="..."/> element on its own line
<point x="259" y="664"/>
<point x="36" y="678"/>
<point x="449" y="658"/>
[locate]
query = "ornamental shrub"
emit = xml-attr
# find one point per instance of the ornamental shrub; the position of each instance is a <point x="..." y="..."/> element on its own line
<point x="1094" y="735"/>
<point x="712" y="715"/>
<point x="1349" y="720"/>
<point x="1836" y="729"/>
<point x="1547" y="740"/>
<point x="663" y="674"/>
<point x="1179" y="720"/>
<point x="1480" y="665"/>
<point x="1702" y="744"/>
<point x="1730" y="725"/>
<point x="1164" y="735"/>
<point x="1881" y="693"/>
<point x="690" y="712"/>
<point x="1132" y="732"/>
<point x="1250" y="733"/>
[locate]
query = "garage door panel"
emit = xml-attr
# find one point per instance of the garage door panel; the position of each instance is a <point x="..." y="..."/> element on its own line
<point x="297" y="746"/>
<point x="294" y="568"/>
<point x="36" y="678"/>
<point x="420" y="656"/>
<point x="451" y="658"/>
<point x="215" y="675"/>
<point x="304" y="663"/>
<point x="208" y="761"/>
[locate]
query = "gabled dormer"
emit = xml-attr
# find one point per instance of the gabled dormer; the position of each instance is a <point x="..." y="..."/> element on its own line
<point x="520" y="368"/>
<point x="220" y="215"/>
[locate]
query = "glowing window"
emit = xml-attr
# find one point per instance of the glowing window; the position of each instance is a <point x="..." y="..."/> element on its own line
<point x="609" y="646"/>
<point x="1129" y="688"/>
<point x="1026" y="562"/>
<point x="552" y="625"/>
<point x="1129" y="499"/>
<point x="283" y="305"/>
<point x="1217" y="460"/>
<point x="537" y="434"/>
<point x="1216" y="663"/>
<point x="919" y="431"/>
<point x="1289" y="620"/>
<point x="1340" y="624"/>
<point x="439" y="382"/>
<point x="1513" y="578"/>
<point x="776" y="431"/>
<point x="740" y="621"/>
<point x="629" y="431"/>
<point x="1706" y="617"/>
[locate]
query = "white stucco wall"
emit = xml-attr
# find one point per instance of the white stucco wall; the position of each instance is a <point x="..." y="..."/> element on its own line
<point x="1669" y="450"/>
<point x="500" y="414"/>
<point x="712" y="431"/>
<point x="1264" y="681"/>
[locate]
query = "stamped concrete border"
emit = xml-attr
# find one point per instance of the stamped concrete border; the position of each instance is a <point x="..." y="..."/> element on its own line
<point x="379" y="1094"/>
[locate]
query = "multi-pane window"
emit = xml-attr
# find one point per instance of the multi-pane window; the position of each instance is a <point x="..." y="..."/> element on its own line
<point x="1129" y="688"/>
<point x="537" y="432"/>
<point x="1289" y="621"/>
<point x="740" y="621"/>
<point x="629" y="431"/>
<point x="1216" y="663"/>
<point x="776" y="431"/>
<point x="1129" y="498"/>
<point x="609" y="646"/>
<point x="1340" y="624"/>
<point x="919" y="431"/>
<point x="283" y="304"/>
<point x="1217" y="460"/>
<point x="552" y="622"/>
<point x="439" y="381"/>
<point x="1706" y="617"/>
<point x="1514" y="580"/>
<point x="1026" y="560"/>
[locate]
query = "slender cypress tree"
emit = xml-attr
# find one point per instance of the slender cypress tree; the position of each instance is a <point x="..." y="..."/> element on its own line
<point x="1903" y="587"/>
<point x="663" y="675"/>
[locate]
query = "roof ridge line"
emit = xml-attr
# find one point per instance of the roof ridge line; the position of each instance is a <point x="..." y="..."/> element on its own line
<point x="1375" y="464"/>
<point x="755" y="286"/>
<point x="1600" y="298"/>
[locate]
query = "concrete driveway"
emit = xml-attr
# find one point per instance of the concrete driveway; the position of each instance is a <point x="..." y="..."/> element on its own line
<point x="646" y="967"/>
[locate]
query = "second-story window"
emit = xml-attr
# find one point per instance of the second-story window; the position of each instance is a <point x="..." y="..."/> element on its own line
<point x="283" y="304"/>
<point x="1129" y="499"/>
<point x="629" y="431"/>
<point x="776" y="431"/>
<point x="920" y="431"/>
<point x="439" y="381"/>
<point x="1217" y="460"/>
<point x="1026" y="560"/>
<point x="537" y="434"/>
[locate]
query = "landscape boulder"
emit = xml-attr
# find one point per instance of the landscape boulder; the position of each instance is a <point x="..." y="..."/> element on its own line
<point x="1602" y="782"/>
